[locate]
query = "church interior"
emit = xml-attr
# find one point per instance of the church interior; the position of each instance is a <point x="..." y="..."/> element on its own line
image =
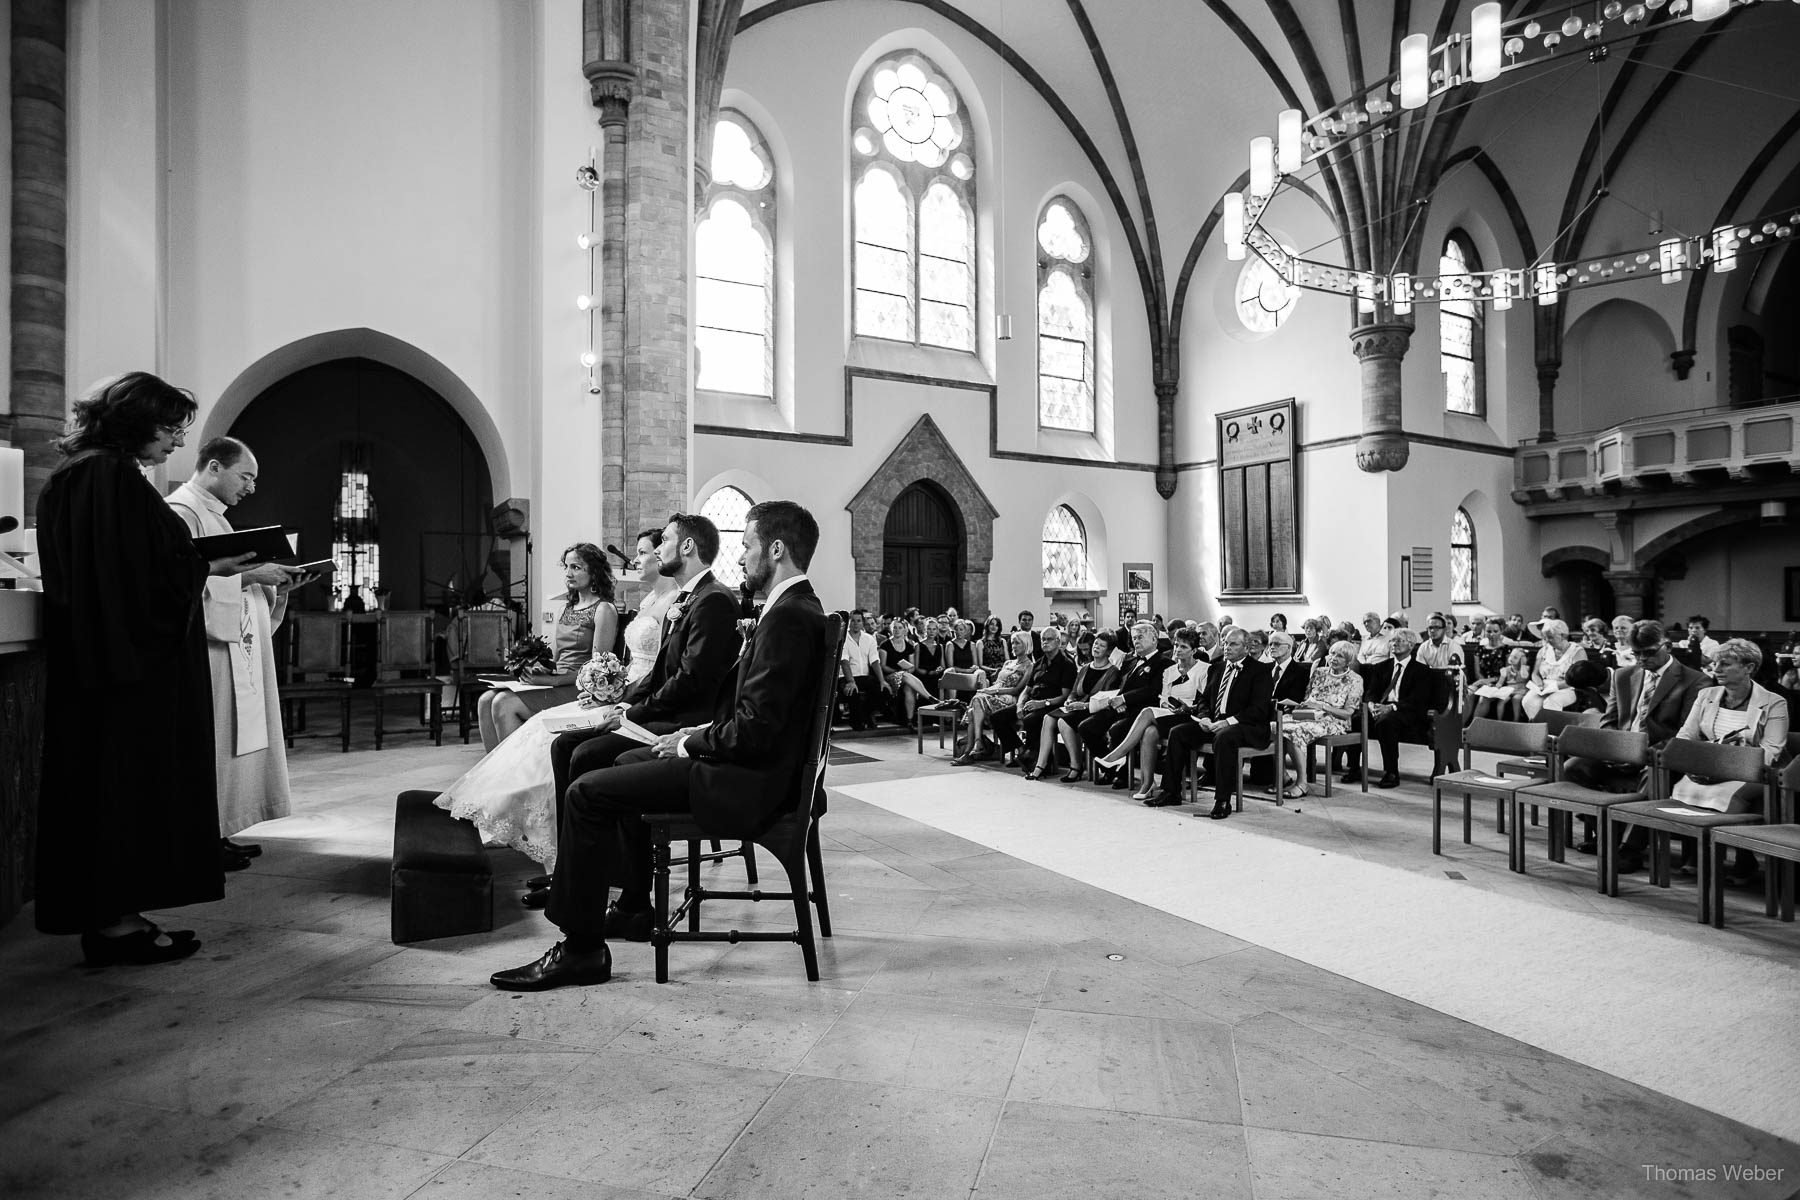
<point x="1110" y="309"/>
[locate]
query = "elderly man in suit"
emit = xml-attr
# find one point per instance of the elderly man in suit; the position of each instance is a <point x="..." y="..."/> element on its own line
<point x="733" y="773"/>
<point x="1233" y="712"/>
<point x="1403" y="693"/>
<point x="1652" y="697"/>
<point x="699" y="644"/>
<point x="1140" y="683"/>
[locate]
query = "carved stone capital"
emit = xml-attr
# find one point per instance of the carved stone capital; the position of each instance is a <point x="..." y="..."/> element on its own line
<point x="1632" y="593"/>
<point x="1380" y="341"/>
<point x="611" y="86"/>
<point x="1165" y="482"/>
<point x="1682" y="361"/>
<point x="1377" y="452"/>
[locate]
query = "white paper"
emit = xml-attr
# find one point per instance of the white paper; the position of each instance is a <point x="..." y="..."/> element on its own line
<point x="513" y="685"/>
<point x="1682" y="810"/>
<point x="638" y="733"/>
<point x="565" y="717"/>
<point x="1102" y="699"/>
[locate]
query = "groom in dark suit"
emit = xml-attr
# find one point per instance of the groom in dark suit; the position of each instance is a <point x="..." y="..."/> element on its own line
<point x="1232" y="713"/>
<point x="733" y="773"/>
<point x="699" y="643"/>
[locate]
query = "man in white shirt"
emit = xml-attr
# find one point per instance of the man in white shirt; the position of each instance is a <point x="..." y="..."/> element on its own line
<point x="1699" y="650"/>
<point x="861" y="665"/>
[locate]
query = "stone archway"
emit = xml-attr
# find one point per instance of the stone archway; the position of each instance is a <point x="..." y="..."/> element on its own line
<point x="923" y="454"/>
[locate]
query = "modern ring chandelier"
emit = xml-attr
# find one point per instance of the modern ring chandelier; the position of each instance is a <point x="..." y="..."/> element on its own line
<point x="1492" y="47"/>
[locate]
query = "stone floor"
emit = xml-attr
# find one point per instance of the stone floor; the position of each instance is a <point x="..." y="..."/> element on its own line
<point x="984" y="1028"/>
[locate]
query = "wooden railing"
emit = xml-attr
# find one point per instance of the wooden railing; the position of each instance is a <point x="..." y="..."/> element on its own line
<point x="1684" y="449"/>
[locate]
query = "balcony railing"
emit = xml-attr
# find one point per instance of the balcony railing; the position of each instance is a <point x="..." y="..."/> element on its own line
<point x="1704" y="446"/>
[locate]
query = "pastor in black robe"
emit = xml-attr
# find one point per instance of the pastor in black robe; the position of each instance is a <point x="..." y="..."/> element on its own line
<point x="129" y="818"/>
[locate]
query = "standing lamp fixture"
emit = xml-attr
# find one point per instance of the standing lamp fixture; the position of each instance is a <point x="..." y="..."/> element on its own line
<point x="587" y="178"/>
<point x="1492" y="47"/>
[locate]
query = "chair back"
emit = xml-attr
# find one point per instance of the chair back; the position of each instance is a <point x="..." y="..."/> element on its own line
<point x="405" y="644"/>
<point x="1506" y="737"/>
<point x="485" y="639"/>
<point x="957" y="681"/>
<point x="316" y="644"/>
<point x="1711" y="760"/>
<point x="818" y="735"/>
<point x="1607" y="745"/>
<point x="1790" y="788"/>
<point x="1555" y="722"/>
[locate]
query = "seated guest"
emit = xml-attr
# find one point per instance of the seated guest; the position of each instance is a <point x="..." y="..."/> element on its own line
<point x="1499" y="698"/>
<point x="1587" y="679"/>
<point x="1208" y="646"/>
<point x="1736" y="712"/>
<point x="1277" y="623"/>
<point x="1097" y="673"/>
<point x="1026" y="619"/>
<point x="865" y="683"/>
<point x="1518" y="632"/>
<point x="1259" y="645"/>
<point x="1140" y="683"/>
<point x="928" y="663"/>
<point x="993" y="649"/>
<point x="1181" y="684"/>
<point x="1699" y="649"/>
<point x="899" y="661"/>
<point x="1375" y="645"/>
<point x="1233" y="712"/>
<point x="1405" y="694"/>
<point x="1334" y="693"/>
<point x="1596" y="643"/>
<point x="1490" y="655"/>
<point x="1621" y="642"/>
<point x="1084" y="643"/>
<point x="1312" y="647"/>
<point x="1550" y="613"/>
<point x="734" y="773"/>
<point x="1548" y="687"/>
<point x="1439" y="651"/>
<point x="1002" y="693"/>
<point x="1046" y="687"/>
<point x="1288" y="679"/>
<point x="962" y="652"/>
<point x="586" y="628"/>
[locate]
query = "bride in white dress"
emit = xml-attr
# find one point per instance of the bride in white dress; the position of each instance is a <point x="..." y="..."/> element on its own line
<point x="510" y="794"/>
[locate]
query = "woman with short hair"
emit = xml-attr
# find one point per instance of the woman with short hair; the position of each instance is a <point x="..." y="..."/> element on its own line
<point x="1003" y="692"/>
<point x="1549" y="687"/>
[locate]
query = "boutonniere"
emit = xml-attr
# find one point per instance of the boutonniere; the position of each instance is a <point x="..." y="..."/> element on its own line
<point x="677" y="610"/>
<point x="746" y="627"/>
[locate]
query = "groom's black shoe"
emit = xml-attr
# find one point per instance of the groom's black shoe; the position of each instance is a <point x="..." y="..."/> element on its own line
<point x="625" y="926"/>
<point x="558" y="968"/>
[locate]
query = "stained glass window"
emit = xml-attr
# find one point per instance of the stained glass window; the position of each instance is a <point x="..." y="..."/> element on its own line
<point x="1065" y="550"/>
<point x="1264" y="298"/>
<point x="1462" y="558"/>
<point x="355" y="536"/>
<point x="734" y="254"/>
<point x="1459" y="330"/>
<point x="1065" y="319"/>
<point x="914" y="208"/>
<point x="726" y="508"/>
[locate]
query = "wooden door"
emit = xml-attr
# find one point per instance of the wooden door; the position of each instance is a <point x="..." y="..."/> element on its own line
<point x="922" y="552"/>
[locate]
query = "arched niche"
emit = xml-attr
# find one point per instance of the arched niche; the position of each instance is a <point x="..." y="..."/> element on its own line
<point x="1615" y="368"/>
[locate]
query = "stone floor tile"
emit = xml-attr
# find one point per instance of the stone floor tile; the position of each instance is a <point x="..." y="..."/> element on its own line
<point x="1298" y="1166"/>
<point x="1100" y="976"/>
<point x="478" y="1181"/>
<point x="1048" y="1152"/>
<point x="1130" y="1064"/>
<point x="86" y="1147"/>
<point x="1000" y="972"/>
<point x="263" y="1161"/>
<point x="913" y="1042"/>
<point x="746" y="1027"/>
<point x="835" y="1139"/>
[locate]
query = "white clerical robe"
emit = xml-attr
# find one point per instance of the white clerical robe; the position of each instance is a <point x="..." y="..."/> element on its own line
<point x="248" y="748"/>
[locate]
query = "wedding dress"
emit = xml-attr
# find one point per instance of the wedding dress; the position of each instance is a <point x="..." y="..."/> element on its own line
<point x="510" y="795"/>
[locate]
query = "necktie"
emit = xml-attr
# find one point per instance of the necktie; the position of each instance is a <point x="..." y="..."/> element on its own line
<point x="1225" y="686"/>
<point x="1279" y="668"/>
<point x="1642" y="715"/>
<point x="1393" y="696"/>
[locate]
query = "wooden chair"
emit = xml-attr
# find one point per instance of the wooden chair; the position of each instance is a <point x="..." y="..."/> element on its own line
<point x="951" y="686"/>
<point x="1277" y="756"/>
<point x="1686" y="756"/>
<point x="793" y="839"/>
<point x="1357" y="735"/>
<point x="1503" y="737"/>
<point x="1538" y="766"/>
<point x="1566" y="799"/>
<point x="315" y="674"/>
<point x="481" y="639"/>
<point x="404" y="666"/>
<point x="1779" y="844"/>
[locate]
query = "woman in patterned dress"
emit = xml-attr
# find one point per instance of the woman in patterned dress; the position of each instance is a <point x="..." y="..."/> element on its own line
<point x="1334" y="692"/>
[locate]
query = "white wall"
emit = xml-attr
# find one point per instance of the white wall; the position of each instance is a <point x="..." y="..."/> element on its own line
<point x="1736" y="578"/>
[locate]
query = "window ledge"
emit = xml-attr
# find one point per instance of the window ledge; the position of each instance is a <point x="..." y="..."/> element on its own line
<point x="1073" y="593"/>
<point x="735" y="410"/>
<point x="1261" y="598"/>
<point x="905" y="358"/>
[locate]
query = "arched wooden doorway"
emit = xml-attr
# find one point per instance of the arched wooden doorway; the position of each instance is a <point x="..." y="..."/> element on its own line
<point x="922" y="548"/>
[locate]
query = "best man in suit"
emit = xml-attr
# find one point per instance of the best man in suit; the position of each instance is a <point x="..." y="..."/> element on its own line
<point x="1403" y="694"/>
<point x="699" y="644"/>
<point x="1233" y="712"/>
<point x="733" y="774"/>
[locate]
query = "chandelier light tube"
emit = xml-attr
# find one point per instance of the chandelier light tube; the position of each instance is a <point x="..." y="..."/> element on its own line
<point x="1502" y="290"/>
<point x="1262" y="166"/>
<point x="1232" y="225"/>
<point x="1290" y="146"/>
<point x="1415" y="71"/>
<point x="1706" y="10"/>
<point x="1546" y="284"/>
<point x="1724" y="240"/>
<point x="1672" y="260"/>
<point x="1401" y="292"/>
<point x="1484" y="43"/>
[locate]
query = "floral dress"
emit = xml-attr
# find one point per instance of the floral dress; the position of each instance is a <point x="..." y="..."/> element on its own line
<point x="1010" y="675"/>
<point x="1343" y="690"/>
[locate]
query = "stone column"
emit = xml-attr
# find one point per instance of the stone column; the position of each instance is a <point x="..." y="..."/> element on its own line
<point x="40" y="220"/>
<point x="1380" y="349"/>
<point x="1165" y="438"/>
<point x="1547" y="372"/>
<point x="611" y="81"/>
<point x="1633" y="593"/>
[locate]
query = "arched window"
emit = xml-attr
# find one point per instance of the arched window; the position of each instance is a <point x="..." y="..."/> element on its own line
<point x="1065" y="550"/>
<point x="1462" y="558"/>
<point x="1264" y="298"/>
<point x="355" y="535"/>
<point x="734" y="264"/>
<point x="726" y="508"/>
<point x="1461" y="350"/>
<point x="914" y="207"/>
<point x="1065" y="253"/>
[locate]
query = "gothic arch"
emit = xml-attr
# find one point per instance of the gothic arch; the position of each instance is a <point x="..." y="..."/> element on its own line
<point x="1568" y="554"/>
<point x="1687" y="531"/>
<point x="923" y="454"/>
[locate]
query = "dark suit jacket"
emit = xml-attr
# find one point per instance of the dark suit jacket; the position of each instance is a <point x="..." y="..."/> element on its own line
<point x="1293" y="681"/>
<point x="1675" y="694"/>
<point x="752" y="753"/>
<point x="1422" y="688"/>
<point x="1250" y="701"/>
<point x="1140" y="682"/>
<point x="697" y="651"/>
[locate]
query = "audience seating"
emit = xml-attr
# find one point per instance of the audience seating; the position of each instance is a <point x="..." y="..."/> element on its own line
<point x="443" y="884"/>
<point x="405" y="666"/>
<point x="315" y="674"/>
<point x="1357" y="735"/>
<point x="952" y="685"/>
<point x="793" y="839"/>
<point x="482" y="639"/>
<point x="1503" y="737"/>
<point x="1273" y="752"/>
<point x="1779" y="845"/>
<point x="1686" y="756"/>
<point x="1566" y="799"/>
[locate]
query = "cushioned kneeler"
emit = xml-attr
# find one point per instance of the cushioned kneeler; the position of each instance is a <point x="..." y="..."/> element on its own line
<point x="442" y="883"/>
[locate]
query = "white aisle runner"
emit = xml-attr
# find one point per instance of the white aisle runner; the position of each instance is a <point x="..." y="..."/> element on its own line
<point x="1695" y="1022"/>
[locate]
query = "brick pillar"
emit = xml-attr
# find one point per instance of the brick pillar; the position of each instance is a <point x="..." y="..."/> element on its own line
<point x="1380" y="349"/>
<point x="40" y="222"/>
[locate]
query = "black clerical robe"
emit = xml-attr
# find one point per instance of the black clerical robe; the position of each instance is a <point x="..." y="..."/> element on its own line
<point x="129" y="816"/>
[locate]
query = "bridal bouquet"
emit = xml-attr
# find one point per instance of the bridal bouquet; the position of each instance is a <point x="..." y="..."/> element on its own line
<point x="530" y="651"/>
<point x="601" y="680"/>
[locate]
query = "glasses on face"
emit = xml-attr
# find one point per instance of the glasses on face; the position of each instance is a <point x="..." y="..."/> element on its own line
<point x="175" y="433"/>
